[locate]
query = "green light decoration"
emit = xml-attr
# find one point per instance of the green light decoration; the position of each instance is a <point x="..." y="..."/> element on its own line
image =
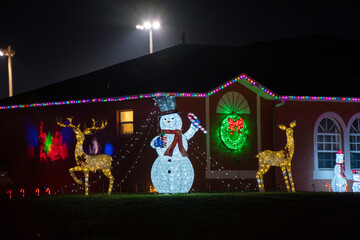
<point x="233" y="132"/>
<point x="48" y="143"/>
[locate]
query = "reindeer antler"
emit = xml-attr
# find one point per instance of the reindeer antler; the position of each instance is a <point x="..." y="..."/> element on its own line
<point x="87" y="131"/>
<point x="69" y="125"/>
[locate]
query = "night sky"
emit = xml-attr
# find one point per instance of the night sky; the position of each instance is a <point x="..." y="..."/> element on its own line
<point x="56" y="40"/>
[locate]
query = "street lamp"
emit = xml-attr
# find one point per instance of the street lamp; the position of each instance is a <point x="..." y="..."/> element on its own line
<point x="8" y="52"/>
<point x="149" y="26"/>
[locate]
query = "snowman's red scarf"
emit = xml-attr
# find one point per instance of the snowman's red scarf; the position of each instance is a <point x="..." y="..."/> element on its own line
<point x="177" y="140"/>
<point x="342" y="169"/>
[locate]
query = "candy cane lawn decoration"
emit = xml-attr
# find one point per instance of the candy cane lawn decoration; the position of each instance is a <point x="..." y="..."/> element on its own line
<point x="23" y="192"/>
<point x="9" y="192"/>
<point x="192" y="119"/>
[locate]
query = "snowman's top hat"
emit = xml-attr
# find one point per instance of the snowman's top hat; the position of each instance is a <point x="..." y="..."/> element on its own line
<point x="167" y="104"/>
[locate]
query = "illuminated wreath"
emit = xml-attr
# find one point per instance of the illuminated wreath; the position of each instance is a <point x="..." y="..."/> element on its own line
<point x="233" y="132"/>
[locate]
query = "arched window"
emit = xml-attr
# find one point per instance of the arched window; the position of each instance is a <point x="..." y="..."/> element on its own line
<point x="328" y="142"/>
<point x="233" y="103"/>
<point x="355" y="143"/>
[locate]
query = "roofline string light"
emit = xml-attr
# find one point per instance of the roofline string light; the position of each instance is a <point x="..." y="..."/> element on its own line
<point x="201" y="95"/>
<point x="237" y="79"/>
<point x="97" y="100"/>
<point x="313" y="98"/>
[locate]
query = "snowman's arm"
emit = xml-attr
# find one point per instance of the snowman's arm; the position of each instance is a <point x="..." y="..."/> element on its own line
<point x="190" y="133"/>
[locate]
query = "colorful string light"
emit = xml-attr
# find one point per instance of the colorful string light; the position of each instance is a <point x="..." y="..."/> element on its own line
<point x="200" y="95"/>
<point x="99" y="100"/>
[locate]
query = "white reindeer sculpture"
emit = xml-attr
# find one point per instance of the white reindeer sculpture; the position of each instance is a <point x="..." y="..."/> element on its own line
<point x="85" y="162"/>
<point x="280" y="159"/>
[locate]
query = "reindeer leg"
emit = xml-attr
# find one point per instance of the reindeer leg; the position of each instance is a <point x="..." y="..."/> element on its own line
<point x="259" y="178"/>
<point x="259" y="175"/>
<point x="86" y="173"/>
<point x="283" y="169"/>
<point x="107" y="173"/>
<point x="262" y="177"/>
<point x="71" y="170"/>
<point x="288" y="168"/>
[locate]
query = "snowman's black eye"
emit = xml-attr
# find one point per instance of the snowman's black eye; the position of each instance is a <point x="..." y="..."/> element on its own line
<point x="172" y="118"/>
<point x="164" y="119"/>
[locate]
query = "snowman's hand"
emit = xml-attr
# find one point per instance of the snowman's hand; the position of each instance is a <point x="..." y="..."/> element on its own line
<point x="158" y="142"/>
<point x="197" y="121"/>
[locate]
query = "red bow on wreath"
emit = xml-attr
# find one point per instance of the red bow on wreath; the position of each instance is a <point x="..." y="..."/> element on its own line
<point x="236" y="125"/>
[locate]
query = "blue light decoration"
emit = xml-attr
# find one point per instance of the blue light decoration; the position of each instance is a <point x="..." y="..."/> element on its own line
<point x="32" y="139"/>
<point x="109" y="149"/>
<point x="67" y="136"/>
<point x="32" y="136"/>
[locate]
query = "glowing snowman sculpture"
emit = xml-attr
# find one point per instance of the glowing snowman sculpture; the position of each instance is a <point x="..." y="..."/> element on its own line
<point x="172" y="171"/>
<point x="356" y="183"/>
<point x="338" y="183"/>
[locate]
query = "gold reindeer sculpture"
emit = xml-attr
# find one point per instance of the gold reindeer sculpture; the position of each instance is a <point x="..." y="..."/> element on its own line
<point x="280" y="159"/>
<point x="85" y="162"/>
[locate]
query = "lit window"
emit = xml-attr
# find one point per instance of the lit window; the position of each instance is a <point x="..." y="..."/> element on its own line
<point x="328" y="142"/>
<point x="125" y="122"/>
<point x="355" y="144"/>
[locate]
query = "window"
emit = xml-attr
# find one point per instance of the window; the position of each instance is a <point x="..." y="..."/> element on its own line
<point x="125" y="122"/>
<point x="355" y="144"/>
<point x="328" y="142"/>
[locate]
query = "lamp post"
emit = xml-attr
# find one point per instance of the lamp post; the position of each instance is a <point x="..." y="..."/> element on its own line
<point x="149" y="26"/>
<point x="8" y="52"/>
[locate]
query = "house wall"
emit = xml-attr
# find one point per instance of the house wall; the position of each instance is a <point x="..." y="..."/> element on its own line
<point x="21" y="128"/>
<point x="133" y="157"/>
<point x="306" y="114"/>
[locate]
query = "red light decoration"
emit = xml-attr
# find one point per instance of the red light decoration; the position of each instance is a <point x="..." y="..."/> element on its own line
<point x="48" y="191"/>
<point x="236" y="125"/>
<point x="9" y="193"/>
<point x="51" y="147"/>
<point x="23" y="192"/>
<point x="328" y="186"/>
<point x="152" y="189"/>
<point x="37" y="191"/>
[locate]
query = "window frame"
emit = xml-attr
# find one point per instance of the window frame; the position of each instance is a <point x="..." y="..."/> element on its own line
<point x="334" y="139"/>
<point x="119" y="123"/>
<point x="348" y="168"/>
<point x="326" y="173"/>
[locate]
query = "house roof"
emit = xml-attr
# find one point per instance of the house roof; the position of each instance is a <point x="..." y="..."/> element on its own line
<point x="318" y="65"/>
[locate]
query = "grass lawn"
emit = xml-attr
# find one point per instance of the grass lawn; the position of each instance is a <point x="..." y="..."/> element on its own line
<point x="183" y="216"/>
